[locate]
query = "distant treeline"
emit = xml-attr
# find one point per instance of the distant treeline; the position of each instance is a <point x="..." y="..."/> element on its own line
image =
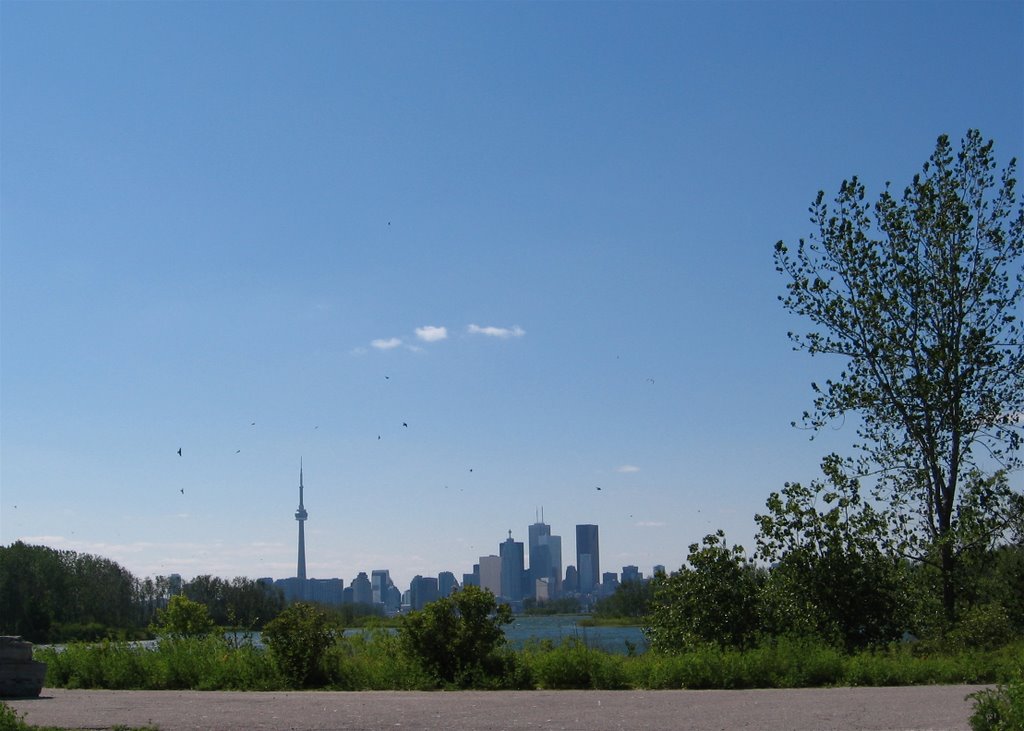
<point x="48" y="595"/>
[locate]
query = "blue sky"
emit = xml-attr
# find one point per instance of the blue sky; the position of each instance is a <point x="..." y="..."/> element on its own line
<point x="560" y="216"/>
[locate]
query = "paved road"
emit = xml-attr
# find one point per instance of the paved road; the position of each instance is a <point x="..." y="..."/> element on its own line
<point x="919" y="708"/>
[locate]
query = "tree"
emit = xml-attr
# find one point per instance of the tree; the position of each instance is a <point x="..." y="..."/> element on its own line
<point x="183" y="618"/>
<point x="713" y="600"/>
<point x="456" y="639"/>
<point x="631" y="599"/>
<point x="920" y="295"/>
<point x="48" y="595"/>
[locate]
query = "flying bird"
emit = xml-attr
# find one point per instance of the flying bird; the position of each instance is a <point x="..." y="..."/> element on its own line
<point x="179" y="451"/>
<point x="597" y="488"/>
<point x="182" y="491"/>
<point x="238" y="451"/>
<point x="404" y="424"/>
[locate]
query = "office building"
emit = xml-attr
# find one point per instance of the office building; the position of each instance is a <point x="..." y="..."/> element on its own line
<point x="446" y="584"/>
<point x="325" y="591"/>
<point x="362" y="591"/>
<point x="545" y="560"/>
<point x="380" y="580"/>
<point x="572" y="580"/>
<point x="422" y="591"/>
<point x="511" y="553"/>
<point x="588" y="558"/>
<point x="490" y="574"/>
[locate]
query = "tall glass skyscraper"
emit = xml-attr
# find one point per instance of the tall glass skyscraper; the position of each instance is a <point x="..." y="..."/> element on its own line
<point x="545" y="559"/>
<point x="588" y="558"/>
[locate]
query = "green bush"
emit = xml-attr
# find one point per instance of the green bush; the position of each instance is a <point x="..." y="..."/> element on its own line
<point x="183" y="618"/>
<point x="984" y="626"/>
<point x="573" y="665"/>
<point x="1001" y="709"/>
<point x="715" y="599"/>
<point x="458" y="640"/>
<point x="374" y="660"/>
<point x="10" y="720"/>
<point x="298" y="639"/>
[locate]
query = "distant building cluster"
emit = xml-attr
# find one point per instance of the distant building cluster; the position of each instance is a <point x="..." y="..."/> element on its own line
<point x="506" y="575"/>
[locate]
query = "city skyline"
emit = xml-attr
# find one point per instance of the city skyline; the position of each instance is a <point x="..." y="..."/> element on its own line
<point x="463" y="259"/>
<point x="542" y="562"/>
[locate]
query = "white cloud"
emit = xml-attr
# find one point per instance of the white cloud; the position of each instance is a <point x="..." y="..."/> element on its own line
<point x="497" y="332"/>
<point x="388" y="344"/>
<point x="431" y="333"/>
<point x="626" y="468"/>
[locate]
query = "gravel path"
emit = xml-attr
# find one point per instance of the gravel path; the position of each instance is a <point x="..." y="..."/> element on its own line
<point x="919" y="708"/>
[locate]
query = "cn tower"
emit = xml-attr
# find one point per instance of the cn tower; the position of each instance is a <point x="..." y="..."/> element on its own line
<point x="300" y="515"/>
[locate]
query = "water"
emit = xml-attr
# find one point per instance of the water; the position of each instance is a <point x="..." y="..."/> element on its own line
<point x="558" y="627"/>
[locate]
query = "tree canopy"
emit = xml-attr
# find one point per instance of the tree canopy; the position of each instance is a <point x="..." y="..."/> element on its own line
<point x="920" y="295"/>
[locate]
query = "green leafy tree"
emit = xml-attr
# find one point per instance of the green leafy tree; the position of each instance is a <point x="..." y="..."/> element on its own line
<point x="183" y="618"/>
<point x="632" y="599"/>
<point x="457" y="639"/>
<point x="830" y="575"/>
<point x="920" y="296"/>
<point x="562" y="605"/>
<point x="299" y="638"/>
<point x="713" y="600"/>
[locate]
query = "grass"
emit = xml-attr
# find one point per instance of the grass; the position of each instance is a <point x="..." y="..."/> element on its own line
<point x="373" y="660"/>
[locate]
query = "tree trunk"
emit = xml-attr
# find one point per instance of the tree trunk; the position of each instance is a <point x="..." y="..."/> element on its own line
<point x="948" y="587"/>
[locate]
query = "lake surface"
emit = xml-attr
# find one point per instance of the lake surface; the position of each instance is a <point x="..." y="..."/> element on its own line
<point x="559" y="627"/>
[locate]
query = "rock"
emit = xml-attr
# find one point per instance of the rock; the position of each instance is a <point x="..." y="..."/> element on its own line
<point x="20" y="675"/>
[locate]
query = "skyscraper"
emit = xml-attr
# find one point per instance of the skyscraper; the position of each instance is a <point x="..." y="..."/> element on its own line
<point x="446" y="584"/>
<point x="380" y="579"/>
<point x="362" y="592"/>
<point x="588" y="558"/>
<point x="300" y="515"/>
<point x="511" y="569"/>
<point x="545" y="559"/>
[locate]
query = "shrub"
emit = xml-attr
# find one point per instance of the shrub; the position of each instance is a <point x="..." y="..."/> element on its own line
<point x="456" y="640"/>
<point x="713" y="600"/>
<point x="984" y="626"/>
<point x="1001" y="709"/>
<point x="183" y="618"/>
<point x="10" y="720"/>
<point x="299" y="638"/>
<point x="573" y="665"/>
